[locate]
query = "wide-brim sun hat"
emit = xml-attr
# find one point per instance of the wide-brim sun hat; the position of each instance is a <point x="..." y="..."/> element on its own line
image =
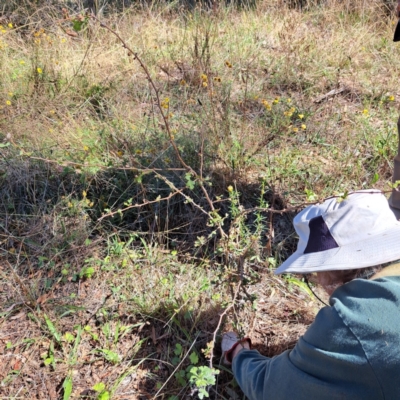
<point x="358" y="231"/>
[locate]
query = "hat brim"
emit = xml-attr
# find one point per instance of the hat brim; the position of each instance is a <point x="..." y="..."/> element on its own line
<point x="379" y="249"/>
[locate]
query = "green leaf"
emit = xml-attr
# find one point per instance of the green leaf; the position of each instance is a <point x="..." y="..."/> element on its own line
<point x="52" y="328"/>
<point x="86" y="272"/>
<point x="4" y="145"/>
<point x="178" y="349"/>
<point x="375" y="178"/>
<point x="110" y="355"/>
<point x="48" y="361"/>
<point x="301" y="285"/>
<point x="194" y="358"/>
<point x="99" y="387"/>
<point x="203" y="393"/>
<point x="189" y="183"/>
<point x="175" y="361"/>
<point x="79" y="23"/>
<point x="67" y="386"/>
<point x="104" y="396"/>
<point x="311" y="196"/>
<point x="180" y="377"/>
<point x="69" y="337"/>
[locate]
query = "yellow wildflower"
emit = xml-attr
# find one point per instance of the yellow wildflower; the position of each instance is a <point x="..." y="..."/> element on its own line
<point x="391" y="98"/>
<point x="39" y="70"/>
<point x="8" y="102"/>
<point x="10" y="25"/>
<point x="85" y="148"/>
<point x="301" y="116"/>
<point x="289" y="100"/>
<point x="204" y="77"/>
<point x="276" y="101"/>
<point x="165" y="103"/>
<point x="230" y="188"/>
<point x="205" y="84"/>
<point x="295" y="129"/>
<point x="365" y="111"/>
<point x="288" y="113"/>
<point x="22" y="62"/>
<point x="11" y="94"/>
<point x="304" y="127"/>
<point x="266" y="104"/>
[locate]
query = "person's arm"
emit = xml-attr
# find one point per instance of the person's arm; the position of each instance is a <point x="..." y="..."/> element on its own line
<point x="327" y="363"/>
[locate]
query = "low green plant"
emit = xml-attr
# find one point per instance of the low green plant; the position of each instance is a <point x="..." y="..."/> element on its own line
<point x="201" y="378"/>
<point x="101" y="392"/>
<point x="198" y="377"/>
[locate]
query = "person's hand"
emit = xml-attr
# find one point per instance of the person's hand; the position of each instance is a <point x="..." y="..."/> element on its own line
<point x="231" y="345"/>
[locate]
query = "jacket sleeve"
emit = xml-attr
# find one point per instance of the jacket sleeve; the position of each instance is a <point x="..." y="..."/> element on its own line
<point x="328" y="362"/>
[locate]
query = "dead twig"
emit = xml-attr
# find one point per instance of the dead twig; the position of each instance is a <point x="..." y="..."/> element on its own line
<point x="221" y="317"/>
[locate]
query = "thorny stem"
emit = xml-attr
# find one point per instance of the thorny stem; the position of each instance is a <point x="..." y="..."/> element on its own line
<point x="302" y="205"/>
<point x="121" y="210"/>
<point x="164" y="117"/>
<point x="221" y="317"/>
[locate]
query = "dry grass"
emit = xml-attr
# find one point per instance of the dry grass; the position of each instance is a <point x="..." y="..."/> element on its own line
<point x="126" y="225"/>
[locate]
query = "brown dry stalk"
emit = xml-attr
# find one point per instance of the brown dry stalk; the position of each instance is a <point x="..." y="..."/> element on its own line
<point x="221" y="317"/>
<point x="145" y="203"/>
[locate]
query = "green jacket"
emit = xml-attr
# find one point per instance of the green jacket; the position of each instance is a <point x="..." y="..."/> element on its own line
<point x="351" y="351"/>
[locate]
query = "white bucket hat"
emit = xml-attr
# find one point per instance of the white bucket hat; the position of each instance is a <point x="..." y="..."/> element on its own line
<point x="358" y="232"/>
